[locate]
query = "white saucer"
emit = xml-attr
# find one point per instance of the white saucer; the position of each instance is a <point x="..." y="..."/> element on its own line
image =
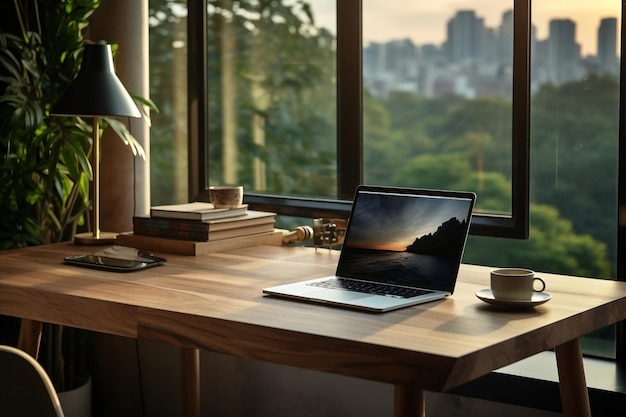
<point x="538" y="298"/>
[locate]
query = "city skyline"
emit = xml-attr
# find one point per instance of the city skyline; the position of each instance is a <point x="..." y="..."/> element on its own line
<point x="424" y="22"/>
<point x="475" y="60"/>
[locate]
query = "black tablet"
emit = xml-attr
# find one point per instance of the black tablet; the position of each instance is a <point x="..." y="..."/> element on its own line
<point x="142" y="260"/>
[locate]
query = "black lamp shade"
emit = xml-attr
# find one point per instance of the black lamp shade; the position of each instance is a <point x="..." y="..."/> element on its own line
<point x="96" y="91"/>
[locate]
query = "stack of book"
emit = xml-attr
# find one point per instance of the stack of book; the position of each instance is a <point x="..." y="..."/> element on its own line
<point x="198" y="227"/>
<point x="201" y="222"/>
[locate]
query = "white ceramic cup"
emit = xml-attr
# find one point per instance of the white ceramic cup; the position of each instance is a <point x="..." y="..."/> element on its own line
<point x="226" y="196"/>
<point x="516" y="284"/>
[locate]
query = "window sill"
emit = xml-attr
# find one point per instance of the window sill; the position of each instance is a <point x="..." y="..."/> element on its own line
<point x="533" y="383"/>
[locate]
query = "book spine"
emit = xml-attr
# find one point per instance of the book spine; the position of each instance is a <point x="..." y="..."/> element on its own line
<point x="192" y="235"/>
<point x="164" y="223"/>
<point x="241" y="231"/>
<point x="236" y="224"/>
<point x="199" y="226"/>
<point x="182" y="247"/>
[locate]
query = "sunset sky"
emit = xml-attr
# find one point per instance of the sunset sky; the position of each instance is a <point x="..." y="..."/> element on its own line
<point x="379" y="224"/>
<point x="424" y="21"/>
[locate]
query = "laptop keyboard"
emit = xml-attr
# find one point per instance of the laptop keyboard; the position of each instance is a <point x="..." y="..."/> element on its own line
<point x="370" y="288"/>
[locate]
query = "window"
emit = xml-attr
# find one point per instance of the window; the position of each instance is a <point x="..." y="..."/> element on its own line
<point x="169" y="47"/>
<point x="446" y="105"/>
<point x="286" y="115"/>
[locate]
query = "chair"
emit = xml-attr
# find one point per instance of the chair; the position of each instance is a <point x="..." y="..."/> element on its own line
<point x="25" y="388"/>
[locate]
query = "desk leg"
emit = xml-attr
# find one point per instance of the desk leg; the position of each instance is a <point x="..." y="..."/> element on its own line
<point x="574" y="395"/>
<point x="408" y="401"/>
<point x="190" y="369"/>
<point x="30" y="337"/>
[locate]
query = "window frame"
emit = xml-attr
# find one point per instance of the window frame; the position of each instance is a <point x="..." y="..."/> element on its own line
<point x="350" y="124"/>
<point x="620" y="331"/>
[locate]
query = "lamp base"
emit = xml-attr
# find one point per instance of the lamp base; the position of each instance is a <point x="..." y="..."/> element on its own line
<point x="105" y="238"/>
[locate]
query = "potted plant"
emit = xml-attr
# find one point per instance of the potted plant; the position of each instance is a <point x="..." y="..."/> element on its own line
<point x="45" y="170"/>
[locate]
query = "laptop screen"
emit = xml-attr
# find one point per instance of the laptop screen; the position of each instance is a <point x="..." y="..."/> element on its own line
<point x="406" y="237"/>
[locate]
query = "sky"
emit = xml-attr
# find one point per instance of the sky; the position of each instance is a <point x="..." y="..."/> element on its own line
<point x="377" y="224"/>
<point x="424" y="21"/>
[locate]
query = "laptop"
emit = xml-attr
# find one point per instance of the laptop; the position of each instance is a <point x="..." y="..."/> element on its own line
<point x="402" y="247"/>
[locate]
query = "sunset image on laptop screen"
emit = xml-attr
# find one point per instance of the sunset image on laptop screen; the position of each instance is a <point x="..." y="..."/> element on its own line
<point x="408" y="240"/>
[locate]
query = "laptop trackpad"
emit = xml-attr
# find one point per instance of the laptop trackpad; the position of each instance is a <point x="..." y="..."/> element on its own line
<point x="336" y="296"/>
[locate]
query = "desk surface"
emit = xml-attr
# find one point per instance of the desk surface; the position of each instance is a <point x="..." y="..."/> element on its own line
<point x="214" y="302"/>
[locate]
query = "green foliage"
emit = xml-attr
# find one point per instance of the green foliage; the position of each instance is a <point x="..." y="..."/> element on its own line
<point x="283" y="69"/>
<point x="433" y="170"/>
<point x="271" y="92"/>
<point x="45" y="168"/>
<point x="465" y="144"/>
<point x="553" y="247"/>
<point x="168" y="133"/>
<point x="574" y="154"/>
<point x="456" y="172"/>
<point x="45" y="171"/>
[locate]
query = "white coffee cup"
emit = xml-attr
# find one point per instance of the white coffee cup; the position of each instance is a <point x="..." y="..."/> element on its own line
<point x="516" y="284"/>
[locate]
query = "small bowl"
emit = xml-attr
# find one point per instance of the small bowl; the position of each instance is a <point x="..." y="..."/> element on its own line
<point x="226" y="196"/>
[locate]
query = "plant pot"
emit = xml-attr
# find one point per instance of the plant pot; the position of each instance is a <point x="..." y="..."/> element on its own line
<point x="77" y="402"/>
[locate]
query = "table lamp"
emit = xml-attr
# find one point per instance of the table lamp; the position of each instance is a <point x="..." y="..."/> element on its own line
<point x="96" y="92"/>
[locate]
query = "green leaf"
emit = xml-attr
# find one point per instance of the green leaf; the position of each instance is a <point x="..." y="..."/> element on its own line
<point x="45" y="170"/>
<point x="128" y="139"/>
<point x="75" y="152"/>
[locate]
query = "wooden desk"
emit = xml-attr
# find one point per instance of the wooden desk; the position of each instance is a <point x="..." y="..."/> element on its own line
<point x="214" y="302"/>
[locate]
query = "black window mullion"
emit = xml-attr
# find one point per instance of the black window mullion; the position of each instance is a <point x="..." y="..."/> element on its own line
<point x="197" y="96"/>
<point x="521" y="119"/>
<point x="620" y="341"/>
<point x="349" y="97"/>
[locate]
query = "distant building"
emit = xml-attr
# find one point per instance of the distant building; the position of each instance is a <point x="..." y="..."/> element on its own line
<point x="563" y="51"/>
<point x="477" y="61"/>
<point x="506" y="37"/>
<point x="466" y="33"/>
<point x="390" y="66"/>
<point x="607" y="46"/>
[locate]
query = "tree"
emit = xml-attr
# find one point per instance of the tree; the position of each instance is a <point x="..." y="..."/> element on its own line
<point x="574" y="137"/>
<point x="271" y="86"/>
<point x="168" y="87"/>
<point x="45" y="170"/>
<point x="461" y="136"/>
<point x="553" y="247"/>
<point x="270" y="67"/>
<point x="481" y="128"/>
<point x="381" y="146"/>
